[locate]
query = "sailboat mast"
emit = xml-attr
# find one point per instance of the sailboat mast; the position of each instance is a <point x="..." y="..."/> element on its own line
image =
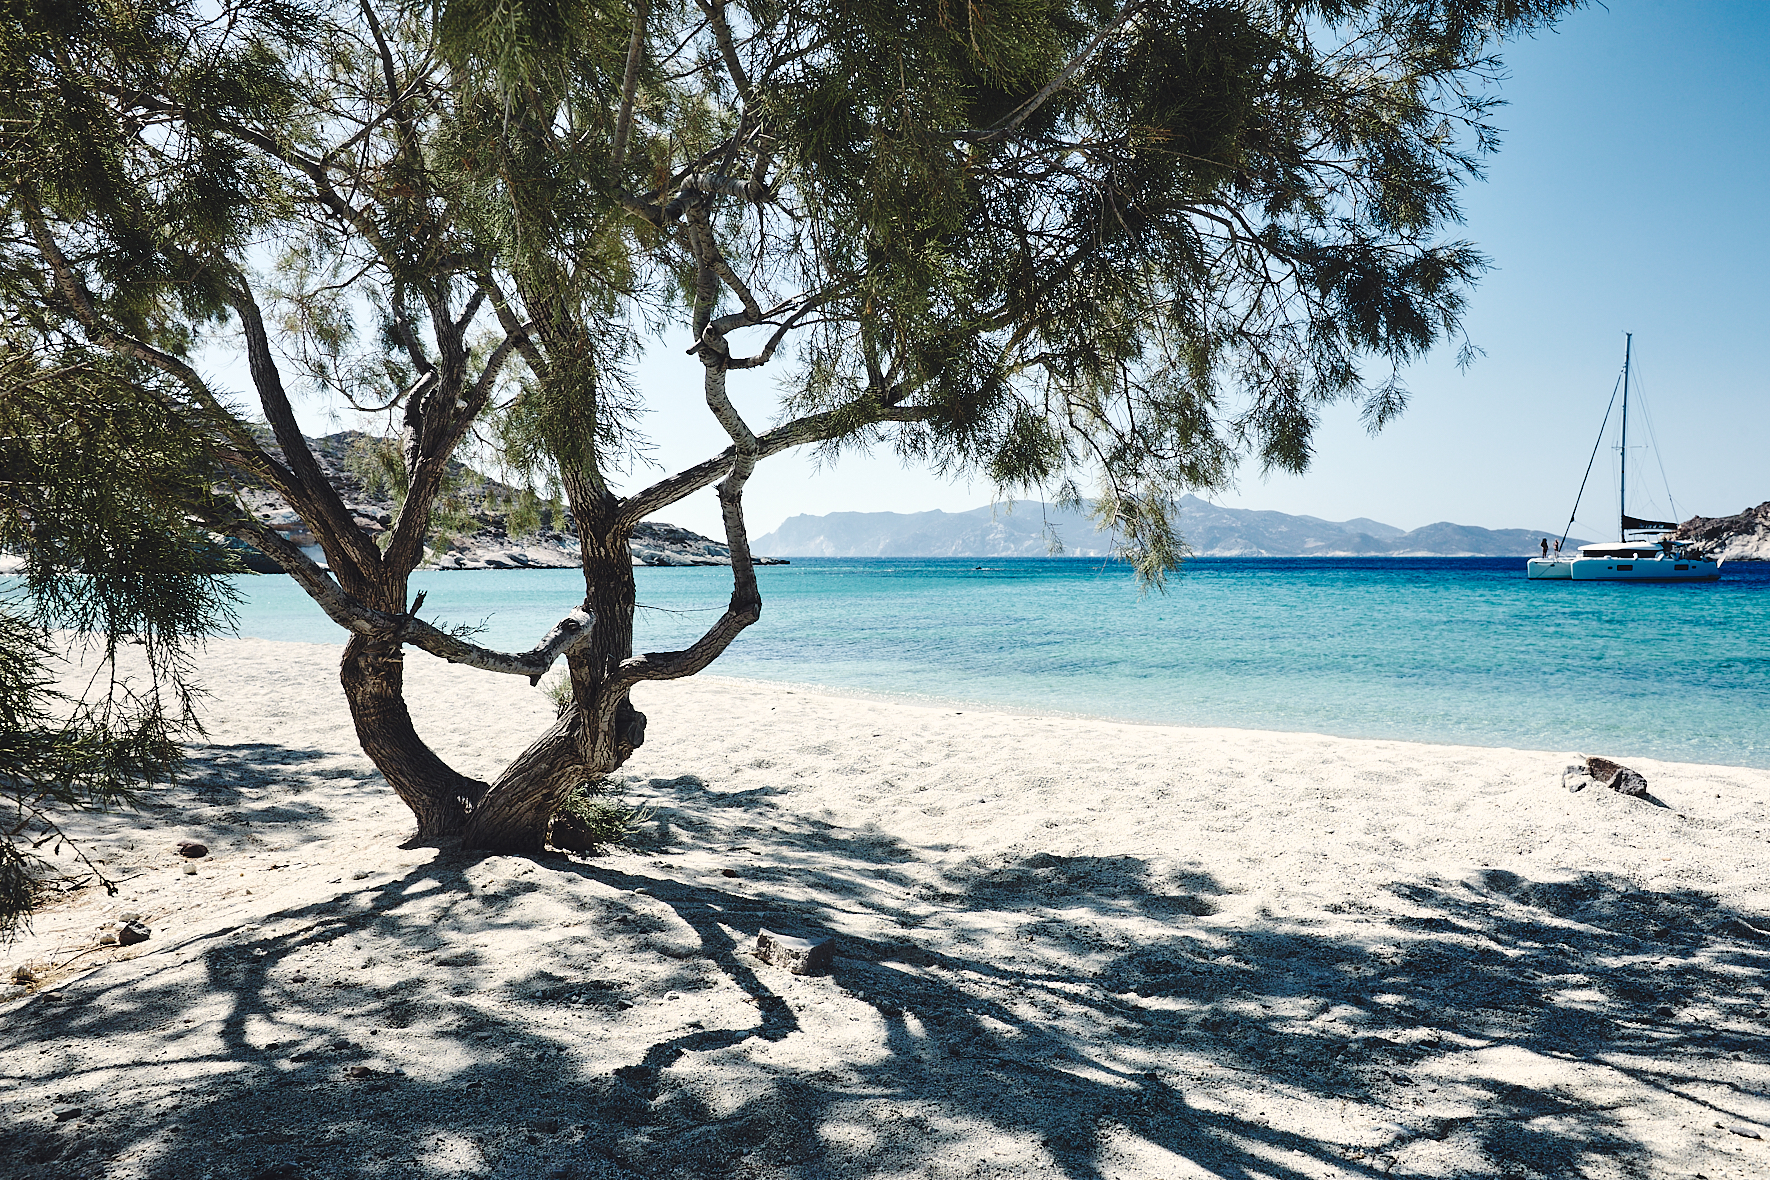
<point x="1622" y="495"/>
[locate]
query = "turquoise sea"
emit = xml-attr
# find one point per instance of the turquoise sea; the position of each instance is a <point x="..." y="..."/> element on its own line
<point x="1440" y="650"/>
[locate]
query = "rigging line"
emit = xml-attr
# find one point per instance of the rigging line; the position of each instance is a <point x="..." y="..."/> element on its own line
<point x="1593" y="459"/>
<point x="1647" y="413"/>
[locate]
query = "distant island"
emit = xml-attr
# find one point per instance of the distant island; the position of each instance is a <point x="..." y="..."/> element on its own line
<point x="1028" y="529"/>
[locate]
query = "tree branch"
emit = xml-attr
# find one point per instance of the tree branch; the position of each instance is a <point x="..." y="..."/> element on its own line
<point x="673" y="665"/>
<point x="324" y="509"/>
<point x="629" y="86"/>
<point x="513" y="327"/>
<point x="809" y="429"/>
<point x="1026" y="110"/>
<point x="567" y="635"/>
<point x="476" y="399"/>
<point x="408" y="132"/>
<point x="68" y="284"/>
<point x="740" y="79"/>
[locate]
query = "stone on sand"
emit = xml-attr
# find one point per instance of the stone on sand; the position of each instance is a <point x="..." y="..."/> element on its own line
<point x="1616" y="776"/>
<point x="801" y="956"/>
<point x="1604" y="772"/>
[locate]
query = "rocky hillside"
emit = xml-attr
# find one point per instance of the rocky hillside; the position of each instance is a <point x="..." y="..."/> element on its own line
<point x="1744" y="537"/>
<point x="481" y="524"/>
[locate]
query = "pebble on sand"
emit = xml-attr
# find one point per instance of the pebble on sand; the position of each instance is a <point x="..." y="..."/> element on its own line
<point x="801" y="956"/>
<point x="1604" y="772"/>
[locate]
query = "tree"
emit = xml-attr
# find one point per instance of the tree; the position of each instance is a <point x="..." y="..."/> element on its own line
<point x="97" y="487"/>
<point x="1058" y="242"/>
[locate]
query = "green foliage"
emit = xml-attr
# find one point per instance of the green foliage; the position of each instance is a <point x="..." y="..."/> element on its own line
<point x="377" y="463"/>
<point x="150" y="195"/>
<point x="523" y="517"/>
<point x="1126" y="246"/>
<point x="100" y="482"/>
<point x="559" y="691"/>
<point x="103" y="480"/>
<point x="59" y="754"/>
<point x="594" y="818"/>
<point x="1050" y="240"/>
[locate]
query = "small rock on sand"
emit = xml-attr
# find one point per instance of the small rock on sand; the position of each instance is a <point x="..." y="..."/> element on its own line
<point x="801" y="956"/>
<point x="192" y="849"/>
<point x="131" y="933"/>
<point x="1616" y="776"/>
<point x="1604" y="772"/>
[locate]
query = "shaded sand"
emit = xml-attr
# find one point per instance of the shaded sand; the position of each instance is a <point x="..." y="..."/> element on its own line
<point x="1067" y="948"/>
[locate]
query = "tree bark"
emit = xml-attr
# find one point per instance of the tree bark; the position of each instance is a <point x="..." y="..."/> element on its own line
<point x="373" y="676"/>
<point x="600" y="729"/>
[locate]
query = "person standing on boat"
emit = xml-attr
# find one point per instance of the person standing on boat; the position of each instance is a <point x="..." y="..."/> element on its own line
<point x="1545" y="546"/>
<point x="1557" y="548"/>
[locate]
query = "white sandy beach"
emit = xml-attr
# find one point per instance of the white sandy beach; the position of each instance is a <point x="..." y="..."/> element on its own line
<point x="1066" y="948"/>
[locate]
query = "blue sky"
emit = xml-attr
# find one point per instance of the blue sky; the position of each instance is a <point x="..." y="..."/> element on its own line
<point x="1629" y="195"/>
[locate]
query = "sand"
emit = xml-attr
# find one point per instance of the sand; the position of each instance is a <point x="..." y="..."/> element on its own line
<point x="1066" y="948"/>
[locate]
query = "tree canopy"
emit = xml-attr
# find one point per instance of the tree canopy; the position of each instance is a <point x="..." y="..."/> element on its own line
<point x="1102" y="250"/>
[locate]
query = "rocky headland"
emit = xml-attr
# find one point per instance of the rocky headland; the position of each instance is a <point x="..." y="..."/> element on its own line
<point x="1742" y="537"/>
<point x="480" y="523"/>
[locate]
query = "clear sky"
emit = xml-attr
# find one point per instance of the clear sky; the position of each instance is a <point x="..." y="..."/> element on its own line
<point x="1629" y="195"/>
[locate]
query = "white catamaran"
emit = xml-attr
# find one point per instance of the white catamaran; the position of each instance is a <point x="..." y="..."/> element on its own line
<point x="1631" y="558"/>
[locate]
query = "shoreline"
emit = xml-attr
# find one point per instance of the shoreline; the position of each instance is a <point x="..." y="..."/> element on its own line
<point x="931" y="700"/>
<point x="981" y="706"/>
<point x="1064" y="947"/>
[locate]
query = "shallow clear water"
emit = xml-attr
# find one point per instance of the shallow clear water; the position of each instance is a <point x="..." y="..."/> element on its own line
<point x="1444" y="650"/>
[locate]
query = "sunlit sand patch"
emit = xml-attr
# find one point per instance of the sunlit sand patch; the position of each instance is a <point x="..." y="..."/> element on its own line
<point x="1242" y="953"/>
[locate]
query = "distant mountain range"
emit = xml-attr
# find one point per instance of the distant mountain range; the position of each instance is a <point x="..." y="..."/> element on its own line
<point x="1029" y="527"/>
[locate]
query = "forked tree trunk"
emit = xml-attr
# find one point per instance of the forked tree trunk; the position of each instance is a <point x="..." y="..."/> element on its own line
<point x="373" y="676"/>
<point x="600" y="729"/>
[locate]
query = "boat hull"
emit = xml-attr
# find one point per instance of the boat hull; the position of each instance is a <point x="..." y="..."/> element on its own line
<point x="1653" y="569"/>
<point x="1551" y="568"/>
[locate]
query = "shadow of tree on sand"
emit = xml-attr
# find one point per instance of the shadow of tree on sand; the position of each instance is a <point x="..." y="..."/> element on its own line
<point x="1000" y="1018"/>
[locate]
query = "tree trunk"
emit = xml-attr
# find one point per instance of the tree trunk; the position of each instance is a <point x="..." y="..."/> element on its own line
<point x="600" y="729"/>
<point x="373" y="676"/>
